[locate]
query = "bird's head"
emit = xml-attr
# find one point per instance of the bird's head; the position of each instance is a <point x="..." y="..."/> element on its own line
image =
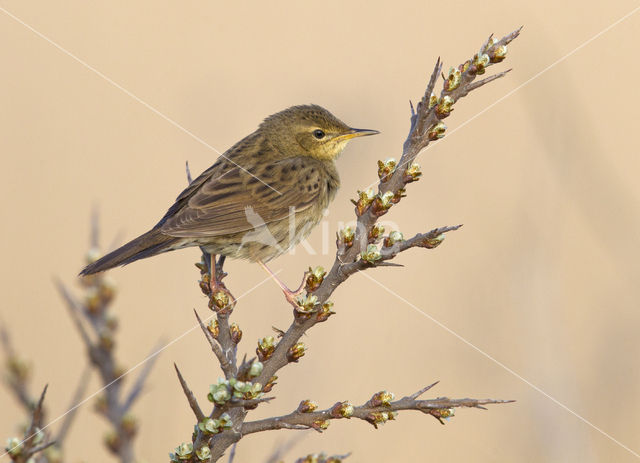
<point x="309" y="130"/>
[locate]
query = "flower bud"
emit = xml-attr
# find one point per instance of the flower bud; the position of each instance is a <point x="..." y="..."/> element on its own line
<point x="315" y="278"/>
<point x="320" y="425"/>
<point x="325" y="311"/>
<point x="383" y="202"/>
<point x="433" y="100"/>
<point x="184" y="451"/>
<point x="393" y="238"/>
<point x="445" y="106"/>
<point x="307" y="406"/>
<point x="342" y="410"/>
<point x="219" y="300"/>
<point x="437" y="131"/>
<point x="365" y="198"/>
<point x="381" y="398"/>
<point x="306" y="304"/>
<point x="413" y="173"/>
<point x="454" y="78"/>
<point x="265" y="349"/>
<point x="14" y="446"/>
<point x="296" y="351"/>
<point x="272" y="382"/>
<point x="219" y="393"/>
<point x="255" y="369"/>
<point x="375" y="233"/>
<point x="203" y="453"/>
<point x="345" y="237"/>
<point x="372" y="254"/>
<point x="214" y="328"/>
<point x="499" y="54"/>
<point x="386" y="169"/>
<point x="236" y="332"/>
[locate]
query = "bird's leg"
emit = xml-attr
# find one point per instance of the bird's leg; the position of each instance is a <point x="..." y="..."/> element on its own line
<point x="289" y="295"/>
<point x="219" y="295"/>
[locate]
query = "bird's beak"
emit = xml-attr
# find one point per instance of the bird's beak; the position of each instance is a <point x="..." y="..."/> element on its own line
<point x="353" y="133"/>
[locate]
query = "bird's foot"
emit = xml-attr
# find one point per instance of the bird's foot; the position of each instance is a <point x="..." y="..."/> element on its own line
<point x="290" y="295"/>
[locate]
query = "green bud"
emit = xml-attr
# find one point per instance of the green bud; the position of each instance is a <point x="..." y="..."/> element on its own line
<point x="437" y="131"/>
<point x="203" y="453"/>
<point x="255" y="369"/>
<point x="372" y="254"/>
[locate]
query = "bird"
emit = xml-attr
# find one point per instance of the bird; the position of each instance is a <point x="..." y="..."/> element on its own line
<point x="260" y="197"/>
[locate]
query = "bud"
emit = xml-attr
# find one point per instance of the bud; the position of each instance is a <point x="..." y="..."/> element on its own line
<point x="413" y="173"/>
<point x="255" y="369"/>
<point x="345" y="237"/>
<point x="265" y="348"/>
<point x="375" y="233"/>
<point x="453" y="79"/>
<point x="499" y="54"/>
<point x="219" y="393"/>
<point x="112" y="441"/>
<point x="381" y="398"/>
<point x="295" y="352"/>
<point x="442" y="413"/>
<point x="365" y="198"/>
<point x="431" y="243"/>
<point x="209" y="426"/>
<point x="393" y="238"/>
<point x="214" y="328"/>
<point x="129" y="424"/>
<point x="14" y="446"/>
<point x="315" y="278"/>
<point x="325" y="311"/>
<point x="236" y="332"/>
<point x="342" y="410"/>
<point x="445" y="106"/>
<point x="203" y="453"/>
<point x="184" y="451"/>
<point x="437" y="131"/>
<point x="383" y="202"/>
<point x="372" y="254"/>
<point x="219" y="300"/>
<point x="320" y="425"/>
<point x="481" y="62"/>
<point x="376" y="418"/>
<point x="386" y="169"/>
<point x="272" y="382"/>
<point x="307" y="406"/>
<point x="306" y="304"/>
<point x="433" y="100"/>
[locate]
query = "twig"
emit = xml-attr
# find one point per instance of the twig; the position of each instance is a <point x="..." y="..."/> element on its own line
<point x="376" y="412"/>
<point x="77" y="397"/>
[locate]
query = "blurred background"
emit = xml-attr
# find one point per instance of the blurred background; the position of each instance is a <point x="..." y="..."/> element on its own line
<point x="542" y="279"/>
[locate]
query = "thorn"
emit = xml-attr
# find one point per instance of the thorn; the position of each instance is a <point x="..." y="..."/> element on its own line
<point x="415" y="395"/>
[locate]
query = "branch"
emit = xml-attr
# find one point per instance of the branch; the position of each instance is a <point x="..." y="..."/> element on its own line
<point x="378" y="410"/>
<point x="366" y="246"/>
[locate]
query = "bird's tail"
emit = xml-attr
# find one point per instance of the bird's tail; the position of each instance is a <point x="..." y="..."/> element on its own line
<point x="151" y="243"/>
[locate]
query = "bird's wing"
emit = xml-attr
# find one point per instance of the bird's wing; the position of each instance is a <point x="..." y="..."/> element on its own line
<point x="238" y="201"/>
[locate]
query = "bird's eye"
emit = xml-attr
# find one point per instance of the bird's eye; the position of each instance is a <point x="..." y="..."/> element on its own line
<point x="318" y="134"/>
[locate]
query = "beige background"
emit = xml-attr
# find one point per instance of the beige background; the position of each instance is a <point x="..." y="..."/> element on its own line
<point x="542" y="278"/>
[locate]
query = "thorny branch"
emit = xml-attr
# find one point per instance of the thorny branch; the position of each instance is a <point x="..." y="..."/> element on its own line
<point x="366" y="246"/>
<point x="97" y="326"/>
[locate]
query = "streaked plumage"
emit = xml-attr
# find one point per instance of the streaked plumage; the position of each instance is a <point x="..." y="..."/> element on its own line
<point x="278" y="179"/>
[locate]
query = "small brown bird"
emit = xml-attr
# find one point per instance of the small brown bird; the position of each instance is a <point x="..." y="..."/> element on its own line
<point x="259" y="199"/>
